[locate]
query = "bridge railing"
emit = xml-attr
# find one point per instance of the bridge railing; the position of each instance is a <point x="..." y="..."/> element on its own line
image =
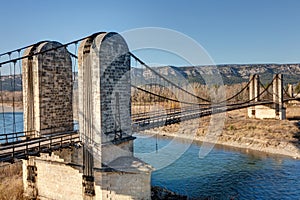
<point x="9" y="138"/>
<point x="34" y="147"/>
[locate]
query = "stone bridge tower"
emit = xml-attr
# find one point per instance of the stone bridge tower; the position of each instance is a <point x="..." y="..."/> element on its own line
<point x="105" y="119"/>
<point x="104" y="166"/>
<point x="47" y="89"/>
<point x="275" y="111"/>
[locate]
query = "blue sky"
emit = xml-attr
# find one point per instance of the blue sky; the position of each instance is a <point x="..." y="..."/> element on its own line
<point x="231" y="31"/>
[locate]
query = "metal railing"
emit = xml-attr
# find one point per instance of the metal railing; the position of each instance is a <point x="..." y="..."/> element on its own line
<point x="33" y="147"/>
<point x="10" y="138"/>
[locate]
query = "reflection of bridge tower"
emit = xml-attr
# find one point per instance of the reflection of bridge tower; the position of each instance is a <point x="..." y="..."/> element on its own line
<point x="277" y="110"/>
<point x="105" y="167"/>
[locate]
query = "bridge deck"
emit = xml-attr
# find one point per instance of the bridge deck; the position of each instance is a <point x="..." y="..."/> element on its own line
<point x="35" y="146"/>
<point x="17" y="146"/>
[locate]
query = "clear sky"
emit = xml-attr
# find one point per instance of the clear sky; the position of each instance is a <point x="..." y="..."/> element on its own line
<point x="231" y="31"/>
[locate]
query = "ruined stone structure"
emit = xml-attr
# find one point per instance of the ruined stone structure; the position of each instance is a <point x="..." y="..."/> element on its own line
<point x="275" y="111"/>
<point x="104" y="166"/>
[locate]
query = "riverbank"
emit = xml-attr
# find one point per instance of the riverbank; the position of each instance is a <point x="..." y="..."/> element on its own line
<point x="11" y="181"/>
<point x="280" y="137"/>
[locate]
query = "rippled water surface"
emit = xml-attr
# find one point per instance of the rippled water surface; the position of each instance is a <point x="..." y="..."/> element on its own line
<point x="224" y="173"/>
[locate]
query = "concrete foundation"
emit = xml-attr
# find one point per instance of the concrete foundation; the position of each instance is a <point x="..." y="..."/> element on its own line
<point x="60" y="176"/>
<point x="265" y="112"/>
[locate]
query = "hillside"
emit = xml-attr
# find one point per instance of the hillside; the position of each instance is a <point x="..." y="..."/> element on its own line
<point x="9" y="84"/>
<point x="231" y="74"/>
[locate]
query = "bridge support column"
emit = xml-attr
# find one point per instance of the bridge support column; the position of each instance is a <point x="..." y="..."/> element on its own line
<point x="105" y="121"/>
<point x="105" y="167"/>
<point x="253" y="94"/>
<point x="275" y="111"/>
<point x="278" y="97"/>
<point x="30" y="178"/>
<point x="47" y="102"/>
<point x="291" y="90"/>
<point x="47" y="90"/>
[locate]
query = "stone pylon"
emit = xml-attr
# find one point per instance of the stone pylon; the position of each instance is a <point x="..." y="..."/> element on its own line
<point x="47" y="89"/>
<point x="253" y="94"/>
<point x="105" y="120"/>
<point x="47" y="101"/>
<point x="104" y="166"/>
<point x="280" y="110"/>
<point x="275" y="111"/>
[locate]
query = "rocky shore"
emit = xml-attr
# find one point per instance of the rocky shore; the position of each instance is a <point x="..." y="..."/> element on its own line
<point x="280" y="137"/>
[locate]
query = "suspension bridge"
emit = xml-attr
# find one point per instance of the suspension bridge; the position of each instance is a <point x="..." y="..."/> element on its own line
<point x="64" y="107"/>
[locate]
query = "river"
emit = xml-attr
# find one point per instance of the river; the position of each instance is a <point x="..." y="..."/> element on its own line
<point x="225" y="173"/>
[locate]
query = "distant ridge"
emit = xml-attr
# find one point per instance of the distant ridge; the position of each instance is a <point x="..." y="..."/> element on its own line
<point x="234" y="73"/>
<point x="231" y="73"/>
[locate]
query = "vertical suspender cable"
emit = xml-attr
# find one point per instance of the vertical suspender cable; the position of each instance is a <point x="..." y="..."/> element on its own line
<point x="3" y="115"/>
<point x="75" y="62"/>
<point x="21" y="77"/>
<point x="74" y="82"/>
<point x="41" y="73"/>
<point x="14" y="89"/>
<point x="11" y="88"/>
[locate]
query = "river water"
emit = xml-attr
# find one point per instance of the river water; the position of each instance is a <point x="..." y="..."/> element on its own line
<point x="225" y="173"/>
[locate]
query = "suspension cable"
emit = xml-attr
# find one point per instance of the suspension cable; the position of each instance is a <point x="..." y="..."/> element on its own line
<point x="175" y="85"/>
<point x="244" y="88"/>
<point x="270" y="93"/>
<point x="166" y="98"/>
<point x="286" y="92"/>
<point x="51" y="49"/>
<point x="16" y="50"/>
<point x="266" y="89"/>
